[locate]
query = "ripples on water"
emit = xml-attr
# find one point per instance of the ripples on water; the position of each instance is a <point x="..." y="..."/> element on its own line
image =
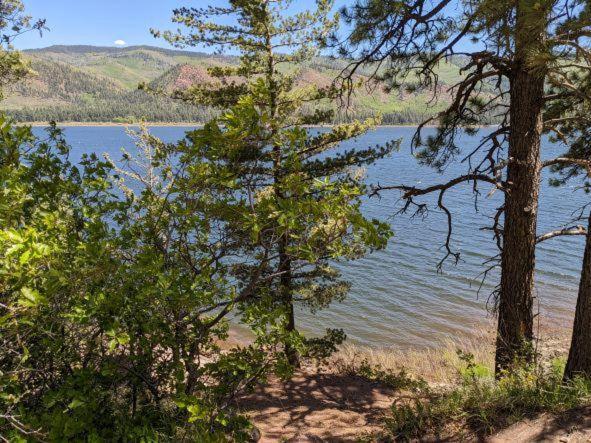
<point x="397" y="296"/>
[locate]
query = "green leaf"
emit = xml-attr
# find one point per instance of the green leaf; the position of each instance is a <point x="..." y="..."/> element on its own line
<point x="25" y="257"/>
<point x="76" y="403"/>
<point x="30" y="298"/>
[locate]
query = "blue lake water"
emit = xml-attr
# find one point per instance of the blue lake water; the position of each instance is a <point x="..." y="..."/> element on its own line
<point x="398" y="298"/>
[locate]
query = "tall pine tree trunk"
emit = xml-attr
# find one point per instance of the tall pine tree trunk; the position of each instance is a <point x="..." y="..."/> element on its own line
<point x="287" y="297"/>
<point x="579" y="356"/>
<point x="515" y="309"/>
<point x="284" y="265"/>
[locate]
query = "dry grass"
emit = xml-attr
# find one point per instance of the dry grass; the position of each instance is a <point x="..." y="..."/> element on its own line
<point x="441" y="365"/>
<point x="438" y="366"/>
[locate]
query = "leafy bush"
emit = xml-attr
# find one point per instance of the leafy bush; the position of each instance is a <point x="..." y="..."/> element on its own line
<point x="113" y="301"/>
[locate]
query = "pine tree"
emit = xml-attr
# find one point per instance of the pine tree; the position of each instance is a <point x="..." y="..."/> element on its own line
<point x="510" y="51"/>
<point x="301" y="195"/>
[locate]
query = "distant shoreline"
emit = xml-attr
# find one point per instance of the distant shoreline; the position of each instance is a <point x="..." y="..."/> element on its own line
<point x="109" y="124"/>
<point x="183" y="124"/>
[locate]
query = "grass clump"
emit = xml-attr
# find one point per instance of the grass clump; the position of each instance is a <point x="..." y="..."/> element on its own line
<point x="396" y="380"/>
<point x="479" y="404"/>
<point x="438" y="365"/>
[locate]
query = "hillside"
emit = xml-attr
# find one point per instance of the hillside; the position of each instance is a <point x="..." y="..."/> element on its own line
<point x="87" y="83"/>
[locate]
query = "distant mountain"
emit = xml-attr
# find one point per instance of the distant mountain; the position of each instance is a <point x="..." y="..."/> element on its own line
<point x="88" y="83"/>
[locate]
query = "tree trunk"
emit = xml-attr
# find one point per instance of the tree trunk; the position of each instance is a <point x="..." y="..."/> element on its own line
<point x="515" y="309"/>
<point x="579" y="356"/>
<point x="291" y="353"/>
<point x="285" y="288"/>
<point x="284" y="266"/>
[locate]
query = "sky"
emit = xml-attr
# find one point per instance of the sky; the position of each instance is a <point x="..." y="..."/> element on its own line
<point x="105" y="22"/>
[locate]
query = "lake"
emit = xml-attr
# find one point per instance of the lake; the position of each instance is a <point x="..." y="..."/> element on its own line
<point x="398" y="298"/>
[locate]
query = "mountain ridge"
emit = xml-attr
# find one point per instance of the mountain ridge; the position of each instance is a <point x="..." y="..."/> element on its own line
<point x="109" y="49"/>
<point x="83" y="83"/>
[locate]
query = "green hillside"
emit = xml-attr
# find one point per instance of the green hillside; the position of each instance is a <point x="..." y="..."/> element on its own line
<point x="87" y="83"/>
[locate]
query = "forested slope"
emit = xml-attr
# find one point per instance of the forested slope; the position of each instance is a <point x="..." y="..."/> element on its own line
<point x="86" y="83"/>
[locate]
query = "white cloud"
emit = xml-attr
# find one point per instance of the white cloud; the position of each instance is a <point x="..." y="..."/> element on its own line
<point x="120" y="43"/>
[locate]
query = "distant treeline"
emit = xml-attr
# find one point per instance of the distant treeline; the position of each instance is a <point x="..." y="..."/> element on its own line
<point x="76" y="96"/>
<point x="130" y="108"/>
<point x="166" y="112"/>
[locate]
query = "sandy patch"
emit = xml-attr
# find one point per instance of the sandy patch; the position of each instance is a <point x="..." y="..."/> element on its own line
<point x="317" y="406"/>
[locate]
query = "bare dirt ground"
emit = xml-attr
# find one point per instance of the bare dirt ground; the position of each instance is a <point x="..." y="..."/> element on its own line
<point x="316" y="406"/>
<point x="573" y="427"/>
<point x="323" y="407"/>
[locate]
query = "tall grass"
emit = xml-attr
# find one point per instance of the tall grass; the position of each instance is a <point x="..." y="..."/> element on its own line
<point x="438" y="366"/>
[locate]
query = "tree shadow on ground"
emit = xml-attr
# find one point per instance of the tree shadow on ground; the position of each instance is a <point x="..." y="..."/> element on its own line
<point x="318" y="407"/>
<point x="572" y="426"/>
<point x="328" y="407"/>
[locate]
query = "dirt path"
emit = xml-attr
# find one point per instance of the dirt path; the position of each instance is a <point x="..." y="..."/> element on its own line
<point x="573" y="427"/>
<point x="328" y="405"/>
<point x="318" y="407"/>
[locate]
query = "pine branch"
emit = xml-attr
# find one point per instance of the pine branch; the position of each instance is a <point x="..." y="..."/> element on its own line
<point x="569" y="161"/>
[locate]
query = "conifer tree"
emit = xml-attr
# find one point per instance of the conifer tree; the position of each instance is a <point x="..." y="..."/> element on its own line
<point x="301" y="195"/>
<point x="508" y="51"/>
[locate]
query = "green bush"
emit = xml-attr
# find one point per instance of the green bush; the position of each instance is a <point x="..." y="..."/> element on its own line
<point x="112" y="303"/>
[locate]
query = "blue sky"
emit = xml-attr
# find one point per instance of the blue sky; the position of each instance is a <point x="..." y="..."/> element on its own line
<point x="102" y="22"/>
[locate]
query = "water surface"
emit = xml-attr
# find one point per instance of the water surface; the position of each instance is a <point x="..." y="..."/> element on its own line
<point x="398" y="298"/>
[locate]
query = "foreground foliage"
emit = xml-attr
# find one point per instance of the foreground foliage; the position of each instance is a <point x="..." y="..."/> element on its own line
<point x="107" y="301"/>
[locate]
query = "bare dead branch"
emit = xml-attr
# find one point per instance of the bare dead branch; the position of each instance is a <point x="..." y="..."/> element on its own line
<point x="411" y="191"/>
<point x="574" y="230"/>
